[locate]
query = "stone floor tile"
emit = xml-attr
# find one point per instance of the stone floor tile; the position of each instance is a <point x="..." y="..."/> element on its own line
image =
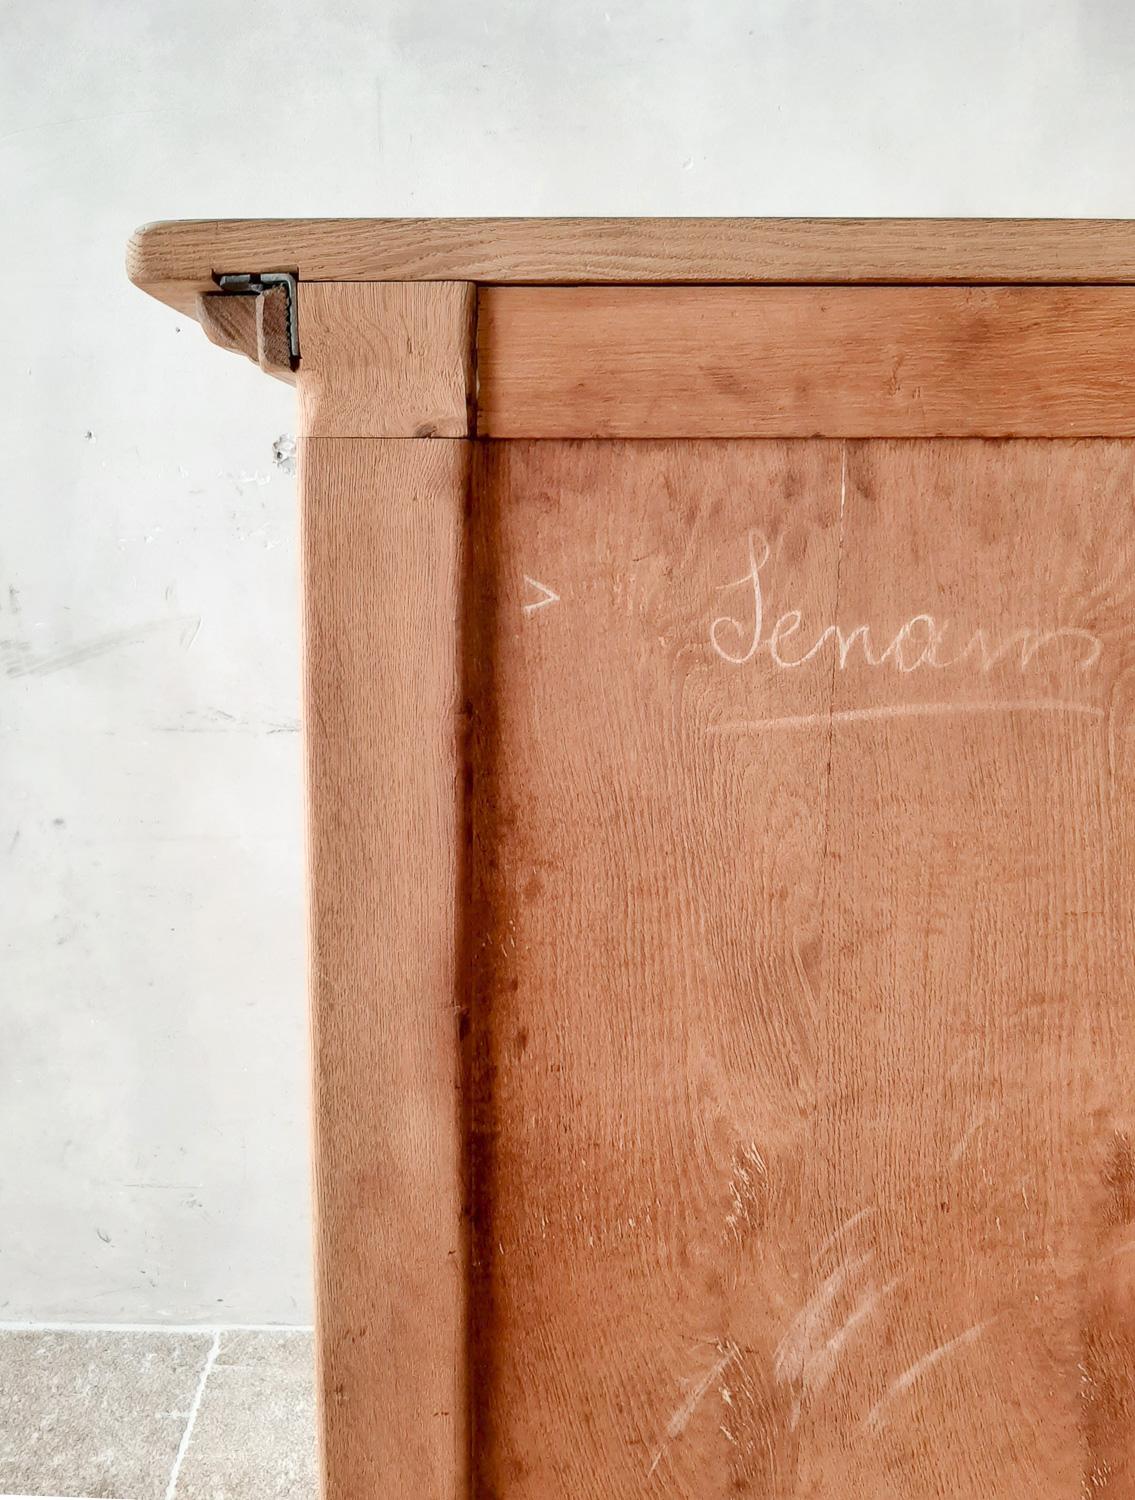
<point x="98" y="1414"/>
<point x="254" y="1438"/>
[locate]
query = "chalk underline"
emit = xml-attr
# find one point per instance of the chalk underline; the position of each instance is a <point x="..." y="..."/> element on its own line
<point x="907" y="711"/>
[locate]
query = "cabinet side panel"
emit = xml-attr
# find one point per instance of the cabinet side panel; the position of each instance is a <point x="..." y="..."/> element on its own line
<point x="382" y="544"/>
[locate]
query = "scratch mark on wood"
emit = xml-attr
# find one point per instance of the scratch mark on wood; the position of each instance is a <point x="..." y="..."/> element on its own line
<point x="963" y="1141"/>
<point x="803" y="1333"/>
<point x="845" y="1228"/>
<point x="820" y="1365"/>
<point x="681" y="1417"/>
<point x="908" y="1378"/>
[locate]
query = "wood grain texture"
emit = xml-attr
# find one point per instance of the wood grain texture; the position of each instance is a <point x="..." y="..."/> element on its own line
<point x="799" y="361"/>
<point x="253" y="325"/>
<point x="175" y="260"/>
<point x="386" y="359"/>
<point x="229" y="321"/>
<point x="273" y="339"/>
<point x="382" y="545"/>
<point x="800" y="973"/>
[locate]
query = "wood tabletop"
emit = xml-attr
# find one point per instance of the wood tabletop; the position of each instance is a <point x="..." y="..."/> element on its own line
<point x="175" y="260"/>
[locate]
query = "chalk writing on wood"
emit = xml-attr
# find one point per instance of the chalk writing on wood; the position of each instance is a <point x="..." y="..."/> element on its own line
<point x="547" y="596"/>
<point x="922" y="641"/>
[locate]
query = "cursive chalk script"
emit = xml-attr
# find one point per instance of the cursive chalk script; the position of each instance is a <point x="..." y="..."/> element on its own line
<point x="923" y="641"/>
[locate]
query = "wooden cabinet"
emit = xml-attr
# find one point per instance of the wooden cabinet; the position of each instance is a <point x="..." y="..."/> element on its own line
<point x="719" y="638"/>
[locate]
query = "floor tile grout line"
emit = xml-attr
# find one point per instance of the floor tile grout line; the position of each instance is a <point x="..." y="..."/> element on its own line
<point x="191" y="1420"/>
<point x="171" y="1328"/>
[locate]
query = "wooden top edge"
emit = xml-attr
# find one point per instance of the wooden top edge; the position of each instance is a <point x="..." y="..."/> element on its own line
<point x="176" y="259"/>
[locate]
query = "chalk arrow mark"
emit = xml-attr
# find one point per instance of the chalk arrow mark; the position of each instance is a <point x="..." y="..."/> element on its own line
<point x="548" y="596"/>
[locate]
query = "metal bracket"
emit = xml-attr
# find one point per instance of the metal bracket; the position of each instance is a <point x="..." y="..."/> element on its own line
<point x="253" y="283"/>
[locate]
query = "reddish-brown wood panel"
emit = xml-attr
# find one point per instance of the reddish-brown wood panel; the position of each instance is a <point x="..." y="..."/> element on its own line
<point x="799" y="956"/>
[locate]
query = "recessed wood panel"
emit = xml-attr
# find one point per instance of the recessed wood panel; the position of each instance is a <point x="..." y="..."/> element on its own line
<point x="798" y="944"/>
<point x="802" y="362"/>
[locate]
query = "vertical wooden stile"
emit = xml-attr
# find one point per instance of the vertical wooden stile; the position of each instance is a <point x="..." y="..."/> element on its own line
<point x="383" y="513"/>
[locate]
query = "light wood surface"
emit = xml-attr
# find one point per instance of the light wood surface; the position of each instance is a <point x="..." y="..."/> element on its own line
<point x="802" y="1034"/>
<point x="382" y="543"/>
<point x="229" y="321"/>
<point x="383" y="538"/>
<point x="798" y="362"/>
<point x="176" y="260"/>
<point x="386" y="359"/>
<point x="254" y="325"/>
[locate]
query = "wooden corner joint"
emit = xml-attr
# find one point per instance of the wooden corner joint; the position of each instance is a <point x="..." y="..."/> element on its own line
<point x="379" y="359"/>
<point x="255" y="324"/>
<point x="386" y="359"/>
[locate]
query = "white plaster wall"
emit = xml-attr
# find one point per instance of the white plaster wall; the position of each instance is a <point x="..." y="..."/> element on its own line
<point x="152" y="1038"/>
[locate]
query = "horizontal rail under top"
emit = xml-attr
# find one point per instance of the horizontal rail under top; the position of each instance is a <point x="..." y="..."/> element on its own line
<point x="671" y="362"/>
